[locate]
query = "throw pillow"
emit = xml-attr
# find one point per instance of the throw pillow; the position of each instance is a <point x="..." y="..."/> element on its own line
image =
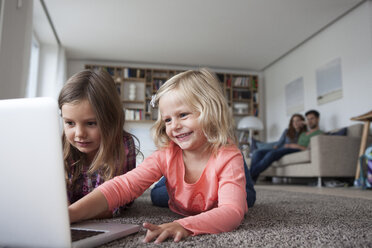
<point x="340" y="132"/>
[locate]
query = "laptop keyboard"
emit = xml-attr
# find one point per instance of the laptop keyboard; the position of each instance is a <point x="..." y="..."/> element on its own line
<point x="78" y="234"/>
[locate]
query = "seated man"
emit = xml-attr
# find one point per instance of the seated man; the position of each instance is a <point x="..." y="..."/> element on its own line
<point x="261" y="160"/>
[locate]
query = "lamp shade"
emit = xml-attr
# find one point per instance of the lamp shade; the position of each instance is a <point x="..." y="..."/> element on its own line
<point x="250" y="123"/>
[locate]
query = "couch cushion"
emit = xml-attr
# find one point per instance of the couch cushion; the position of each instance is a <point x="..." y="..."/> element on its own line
<point x="294" y="158"/>
<point x="355" y="130"/>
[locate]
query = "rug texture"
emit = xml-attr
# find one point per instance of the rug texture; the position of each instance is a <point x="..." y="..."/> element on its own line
<point x="278" y="219"/>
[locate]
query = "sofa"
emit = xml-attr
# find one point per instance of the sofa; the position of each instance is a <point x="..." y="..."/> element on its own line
<point x="329" y="155"/>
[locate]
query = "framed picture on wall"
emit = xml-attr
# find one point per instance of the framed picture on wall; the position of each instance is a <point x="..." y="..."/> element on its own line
<point x="329" y="82"/>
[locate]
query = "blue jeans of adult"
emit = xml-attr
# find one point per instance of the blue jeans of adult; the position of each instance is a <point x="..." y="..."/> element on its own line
<point x="160" y="197"/>
<point x="263" y="158"/>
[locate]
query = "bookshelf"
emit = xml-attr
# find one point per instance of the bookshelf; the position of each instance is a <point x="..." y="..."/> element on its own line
<point x="241" y="92"/>
<point x="137" y="85"/>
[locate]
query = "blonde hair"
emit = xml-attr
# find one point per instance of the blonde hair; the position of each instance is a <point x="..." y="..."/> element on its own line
<point x="99" y="89"/>
<point x="202" y="92"/>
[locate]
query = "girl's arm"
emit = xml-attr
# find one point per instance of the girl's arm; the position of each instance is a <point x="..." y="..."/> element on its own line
<point x="116" y="192"/>
<point x="281" y="140"/>
<point x="90" y="206"/>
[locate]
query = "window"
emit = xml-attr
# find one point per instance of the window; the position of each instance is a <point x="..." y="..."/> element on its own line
<point x="31" y="89"/>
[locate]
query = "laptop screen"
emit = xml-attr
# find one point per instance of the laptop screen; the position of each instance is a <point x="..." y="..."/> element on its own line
<point x="32" y="185"/>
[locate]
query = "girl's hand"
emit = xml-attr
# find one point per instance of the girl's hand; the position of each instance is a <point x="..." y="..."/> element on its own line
<point x="162" y="232"/>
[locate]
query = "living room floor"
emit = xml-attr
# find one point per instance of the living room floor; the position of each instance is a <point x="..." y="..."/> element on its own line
<point x="351" y="192"/>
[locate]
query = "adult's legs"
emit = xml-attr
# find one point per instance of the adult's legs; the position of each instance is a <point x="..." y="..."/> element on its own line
<point x="258" y="155"/>
<point x="258" y="166"/>
<point x="251" y="193"/>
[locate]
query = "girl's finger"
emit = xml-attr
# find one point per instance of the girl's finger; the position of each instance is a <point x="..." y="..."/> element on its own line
<point x="150" y="236"/>
<point x="150" y="226"/>
<point x="163" y="236"/>
<point x="178" y="237"/>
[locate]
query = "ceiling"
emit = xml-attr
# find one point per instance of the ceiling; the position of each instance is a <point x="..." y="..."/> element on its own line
<point x="230" y="34"/>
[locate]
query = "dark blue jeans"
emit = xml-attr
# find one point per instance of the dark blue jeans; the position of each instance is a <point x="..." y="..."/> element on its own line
<point x="263" y="158"/>
<point x="160" y="198"/>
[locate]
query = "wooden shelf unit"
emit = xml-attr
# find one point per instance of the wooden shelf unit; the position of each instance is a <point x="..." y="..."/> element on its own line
<point x="241" y="90"/>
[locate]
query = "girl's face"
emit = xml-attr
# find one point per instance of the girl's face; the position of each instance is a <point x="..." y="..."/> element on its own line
<point x="297" y="123"/>
<point x="81" y="128"/>
<point x="181" y="124"/>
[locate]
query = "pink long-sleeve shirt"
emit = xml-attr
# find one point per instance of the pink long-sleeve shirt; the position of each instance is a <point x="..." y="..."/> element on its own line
<point x="213" y="204"/>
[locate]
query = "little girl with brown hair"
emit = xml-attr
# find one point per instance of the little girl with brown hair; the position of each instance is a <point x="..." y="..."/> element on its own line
<point x="95" y="146"/>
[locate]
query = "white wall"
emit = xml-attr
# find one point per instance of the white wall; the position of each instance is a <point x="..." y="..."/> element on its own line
<point x="350" y="39"/>
<point x="15" y="47"/>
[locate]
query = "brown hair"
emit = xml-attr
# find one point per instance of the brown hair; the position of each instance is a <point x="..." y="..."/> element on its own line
<point x="291" y="133"/>
<point x="202" y="92"/>
<point x="99" y="89"/>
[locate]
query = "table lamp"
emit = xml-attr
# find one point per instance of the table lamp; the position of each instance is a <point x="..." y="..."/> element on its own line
<point x="249" y="123"/>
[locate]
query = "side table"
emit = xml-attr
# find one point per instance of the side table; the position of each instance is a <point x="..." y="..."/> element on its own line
<point x="366" y="118"/>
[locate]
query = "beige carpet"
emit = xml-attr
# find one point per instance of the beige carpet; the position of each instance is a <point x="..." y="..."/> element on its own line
<point x="279" y="219"/>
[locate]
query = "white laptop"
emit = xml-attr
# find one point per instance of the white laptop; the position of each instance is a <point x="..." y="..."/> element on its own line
<point x="33" y="208"/>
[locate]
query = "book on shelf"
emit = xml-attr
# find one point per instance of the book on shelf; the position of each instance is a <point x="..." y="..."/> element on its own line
<point x="241" y="95"/>
<point x="228" y="82"/>
<point x="158" y="83"/>
<point x="241" y="81"/>
<point x="133" y="114"/>
<point x="255" y="97"/>
<point x="110" y="70"/>
<point x="134" y="73"/>
<point x="254" y="83"/>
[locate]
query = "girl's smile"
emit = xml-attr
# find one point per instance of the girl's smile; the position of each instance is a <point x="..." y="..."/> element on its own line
<point x="83" y="144"/>
<point x="183" y="136"/>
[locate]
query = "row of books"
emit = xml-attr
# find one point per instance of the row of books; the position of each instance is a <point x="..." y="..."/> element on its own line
<point x="241" y="95"/>
<point x="243" y="82"/>
<point x="133" y="114"/>
<point x="136" y="73"/>
<point x="123" y="72"/>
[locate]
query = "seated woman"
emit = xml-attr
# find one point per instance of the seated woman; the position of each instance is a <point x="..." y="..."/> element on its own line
<point x="264" y="157"/>
<point x="289" y="136"/>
